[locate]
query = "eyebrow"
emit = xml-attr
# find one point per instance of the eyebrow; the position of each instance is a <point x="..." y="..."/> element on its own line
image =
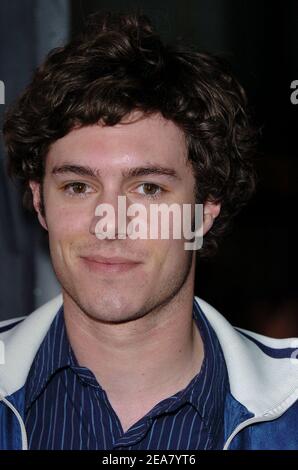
<point x="128" y="173"/>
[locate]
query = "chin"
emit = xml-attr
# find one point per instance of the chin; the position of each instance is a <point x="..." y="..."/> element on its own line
<point x="112" y="310"/>
<point x="114" y="318"/>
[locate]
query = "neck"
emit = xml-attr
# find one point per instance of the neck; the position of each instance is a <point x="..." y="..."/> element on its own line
<point x="150" y="358"/>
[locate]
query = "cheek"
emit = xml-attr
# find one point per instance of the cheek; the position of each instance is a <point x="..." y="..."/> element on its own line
<point x="168" y="254"/>
<point x="66" y="216"/>
<point x="63" y="212"/>
<point x="66" y="228"/>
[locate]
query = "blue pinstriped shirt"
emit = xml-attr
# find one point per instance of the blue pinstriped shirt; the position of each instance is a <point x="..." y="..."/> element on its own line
<point x="66" y="408"/>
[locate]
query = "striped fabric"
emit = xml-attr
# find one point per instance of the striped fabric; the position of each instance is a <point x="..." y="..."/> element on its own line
<point x="66" y="408"/>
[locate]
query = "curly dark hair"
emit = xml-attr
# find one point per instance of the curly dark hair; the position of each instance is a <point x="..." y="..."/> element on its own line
<point x="118" y="65"/>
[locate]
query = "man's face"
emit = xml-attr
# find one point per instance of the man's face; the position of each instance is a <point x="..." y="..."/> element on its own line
<point x="72" y="193"/>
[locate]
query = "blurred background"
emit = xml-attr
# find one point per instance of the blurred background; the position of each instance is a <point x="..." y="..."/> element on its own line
<point x="252" y="280"/>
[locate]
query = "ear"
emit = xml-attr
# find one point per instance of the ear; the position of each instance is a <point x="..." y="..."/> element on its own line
<point x="36" y="189"/>
<point x="211" y="211"/>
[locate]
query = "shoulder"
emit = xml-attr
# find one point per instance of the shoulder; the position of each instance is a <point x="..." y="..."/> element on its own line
<point x="7" y="325"/>
<point x="232" y="335"/>
<point x="276" y="434"/>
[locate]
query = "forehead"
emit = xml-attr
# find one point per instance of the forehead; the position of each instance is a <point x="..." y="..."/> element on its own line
<point x="128" y="143"/>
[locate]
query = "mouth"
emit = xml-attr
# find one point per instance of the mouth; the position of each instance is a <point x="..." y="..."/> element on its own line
<point x="109" y="265"/>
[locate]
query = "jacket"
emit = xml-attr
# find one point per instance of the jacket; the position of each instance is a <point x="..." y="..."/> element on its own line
<point x="261" y="410"/>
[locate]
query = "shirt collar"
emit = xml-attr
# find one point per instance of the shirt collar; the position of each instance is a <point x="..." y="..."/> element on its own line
<point x="210" y="403"/>
<point x="53" y="355"/>
<point x="206" y="392"/>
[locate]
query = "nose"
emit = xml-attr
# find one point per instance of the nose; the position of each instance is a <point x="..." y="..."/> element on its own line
<point x="109" y="219"/>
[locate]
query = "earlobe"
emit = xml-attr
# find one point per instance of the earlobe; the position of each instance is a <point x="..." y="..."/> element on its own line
<point x="208" y="222"/>
<point x="36" y="188"/>
<point x="211" y="211"/>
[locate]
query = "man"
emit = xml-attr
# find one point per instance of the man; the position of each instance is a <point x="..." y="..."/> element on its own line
<point x="128" y="358"/>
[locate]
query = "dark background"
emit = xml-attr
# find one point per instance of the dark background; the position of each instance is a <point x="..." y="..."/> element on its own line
<point x="252" y="280"/>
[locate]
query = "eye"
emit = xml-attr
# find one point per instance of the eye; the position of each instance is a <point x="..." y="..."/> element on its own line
<point x="77" y="188"/>
<point x="151" y="190"/>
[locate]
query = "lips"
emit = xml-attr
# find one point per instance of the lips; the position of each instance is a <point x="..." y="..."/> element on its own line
<point x="109" y="265"/>
<point x="112" y="260"/>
